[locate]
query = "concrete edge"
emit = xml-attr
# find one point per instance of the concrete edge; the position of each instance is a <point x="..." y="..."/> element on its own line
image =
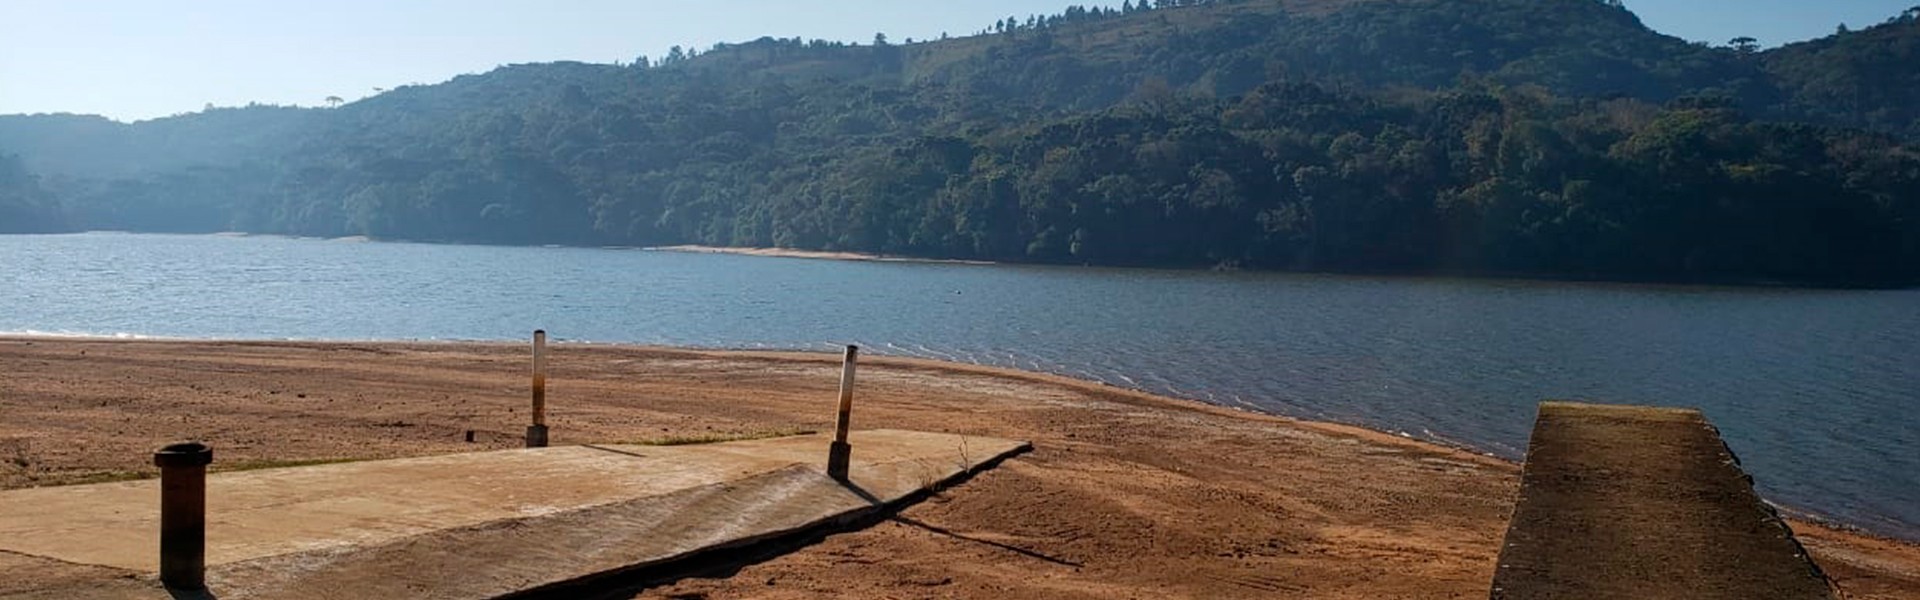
<point x="1772" y="516"/>
<point x="760" y="548"/>
<point x="1519" y="495"/>
<point x="1669" y="412"/>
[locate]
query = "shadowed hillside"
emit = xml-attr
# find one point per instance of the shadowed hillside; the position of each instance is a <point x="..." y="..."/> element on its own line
<point x="1552" y="137"/>
<point x="1866" y="78"/>
<point x="24" y="206"/>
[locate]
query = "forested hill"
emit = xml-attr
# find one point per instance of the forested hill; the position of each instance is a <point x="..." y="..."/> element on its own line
<point x="1552" y="137"/>
<point x="24" y="206"/>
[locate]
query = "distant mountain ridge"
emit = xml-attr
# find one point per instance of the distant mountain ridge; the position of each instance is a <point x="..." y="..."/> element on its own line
<point x="1407" y="135"/>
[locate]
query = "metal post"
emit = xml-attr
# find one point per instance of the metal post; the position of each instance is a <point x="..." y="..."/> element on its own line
<point x="183" y="514"/>
<point x="537" y="432"/>
<point x="840" y="453"/>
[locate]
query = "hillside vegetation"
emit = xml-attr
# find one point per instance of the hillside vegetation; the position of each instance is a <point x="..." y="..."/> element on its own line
<point x="1549" y="137"/>
<point x="24" y="206"/>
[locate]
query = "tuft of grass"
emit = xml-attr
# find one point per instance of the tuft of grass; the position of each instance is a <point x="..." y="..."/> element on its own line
<point x="103" y="477"/>
<point x="720" y="436"/>
<point x="258" y="464"/>
<point x="92" y="477"/>
<point x="19" y="453"/>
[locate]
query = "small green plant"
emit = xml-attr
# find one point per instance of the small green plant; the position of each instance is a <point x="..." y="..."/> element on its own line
<point x="111" y="476"/>
<point x="103" y="477"/>
<point x="715" y="437"/>
<point x="19" y="452"/>
<point x="264" y="463"/>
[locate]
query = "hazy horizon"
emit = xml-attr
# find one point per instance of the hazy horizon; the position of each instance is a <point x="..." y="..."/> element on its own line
<point x="131" y="61"/>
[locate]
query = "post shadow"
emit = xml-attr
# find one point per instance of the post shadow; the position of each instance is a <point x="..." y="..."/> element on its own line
<point x="199" y="594"/>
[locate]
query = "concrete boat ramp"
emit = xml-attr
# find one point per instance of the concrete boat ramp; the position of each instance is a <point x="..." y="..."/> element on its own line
<point x="1642" y="503"/>
<point x="477" y="525"/>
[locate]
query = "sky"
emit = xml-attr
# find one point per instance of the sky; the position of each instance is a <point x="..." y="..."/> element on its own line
<point x="140" y="59"/>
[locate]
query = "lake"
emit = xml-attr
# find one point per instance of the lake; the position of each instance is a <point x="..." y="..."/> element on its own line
<point x="1814" y="389"/>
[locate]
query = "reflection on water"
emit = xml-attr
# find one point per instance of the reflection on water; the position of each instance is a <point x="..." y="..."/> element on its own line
<point x="1814" y="389"/>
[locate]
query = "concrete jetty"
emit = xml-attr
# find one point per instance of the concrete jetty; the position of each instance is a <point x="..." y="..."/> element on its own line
<point x="1644" y="503"/>
<point x="468" y="526"/>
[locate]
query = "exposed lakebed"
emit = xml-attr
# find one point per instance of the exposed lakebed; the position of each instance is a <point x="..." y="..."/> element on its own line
<point x="1815" y="389"/>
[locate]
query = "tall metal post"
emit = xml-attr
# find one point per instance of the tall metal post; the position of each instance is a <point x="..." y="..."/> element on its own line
<point x="537" y="432"/>
<point x="841" y="453"/>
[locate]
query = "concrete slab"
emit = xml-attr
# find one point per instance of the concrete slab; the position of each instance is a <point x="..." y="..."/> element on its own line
<point x="1643" y="503"/>
<point x="484" y="525"/>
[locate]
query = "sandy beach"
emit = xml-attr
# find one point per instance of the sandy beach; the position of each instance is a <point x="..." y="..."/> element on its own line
<point x="1125" y="494"/>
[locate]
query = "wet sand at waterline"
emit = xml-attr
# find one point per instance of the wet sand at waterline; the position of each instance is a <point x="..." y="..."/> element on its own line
<point x="1125" y="494"/>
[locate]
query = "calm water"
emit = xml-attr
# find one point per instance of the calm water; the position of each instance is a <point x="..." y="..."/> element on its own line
<point x="1816" y="390"/>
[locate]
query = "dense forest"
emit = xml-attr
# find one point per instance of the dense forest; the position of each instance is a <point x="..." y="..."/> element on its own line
<point x="24" y="206"/>
<point x="1544" y="137"/>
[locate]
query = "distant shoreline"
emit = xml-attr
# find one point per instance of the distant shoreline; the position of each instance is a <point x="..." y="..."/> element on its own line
<point x="812" y="254"/>
<point x="1474" y="274"/>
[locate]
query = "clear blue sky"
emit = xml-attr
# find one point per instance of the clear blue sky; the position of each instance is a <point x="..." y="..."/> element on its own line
<point x="138" y="59"/>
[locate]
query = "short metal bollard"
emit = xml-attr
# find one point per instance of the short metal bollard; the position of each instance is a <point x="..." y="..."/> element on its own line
<point x="183" y="514"/>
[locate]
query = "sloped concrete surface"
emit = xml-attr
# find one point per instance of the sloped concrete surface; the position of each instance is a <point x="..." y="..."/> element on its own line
<point x="478" y="525"/>
<point x="1644" y="504"/>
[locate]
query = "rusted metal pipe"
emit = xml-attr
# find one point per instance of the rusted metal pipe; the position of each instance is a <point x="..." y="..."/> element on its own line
<point x="537" y="432"/>
<point x="183" y="514"/>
